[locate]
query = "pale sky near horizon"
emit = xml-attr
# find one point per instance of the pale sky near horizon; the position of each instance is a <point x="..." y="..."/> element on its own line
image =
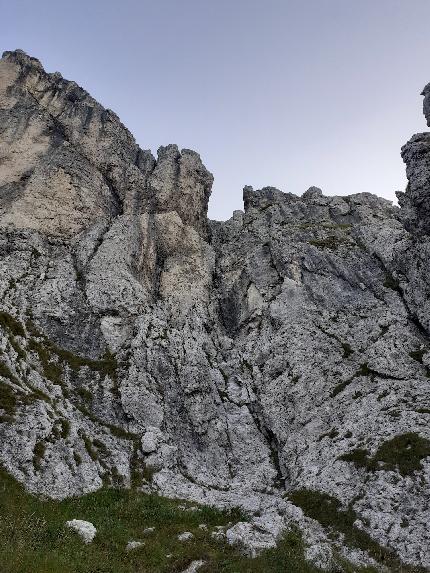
<point x="289" y="93"/>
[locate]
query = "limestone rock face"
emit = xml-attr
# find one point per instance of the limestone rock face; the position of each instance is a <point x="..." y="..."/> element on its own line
<point x="264" y="362"/>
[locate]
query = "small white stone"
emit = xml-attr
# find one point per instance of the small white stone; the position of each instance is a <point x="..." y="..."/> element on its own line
<point x="133" y="545"/>
<point x="83" y="528"/>
<point x="218" y="533"/>
<point x="193" y="567"/>
<point x="186" y="536"/>
<point x="203" y="526"/>
<point x="148" y="530"/>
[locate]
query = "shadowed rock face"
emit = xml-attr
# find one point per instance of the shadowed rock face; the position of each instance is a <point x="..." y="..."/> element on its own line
<point x="227" y="362"/>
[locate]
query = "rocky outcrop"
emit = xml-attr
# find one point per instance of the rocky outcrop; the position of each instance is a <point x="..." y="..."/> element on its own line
<point x="278" y="361"/>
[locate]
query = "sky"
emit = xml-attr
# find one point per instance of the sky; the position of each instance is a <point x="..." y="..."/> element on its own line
<point x="287" y="93"/>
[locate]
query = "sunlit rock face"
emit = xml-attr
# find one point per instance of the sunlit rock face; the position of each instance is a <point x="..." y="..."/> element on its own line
<point x="232" y="363"/>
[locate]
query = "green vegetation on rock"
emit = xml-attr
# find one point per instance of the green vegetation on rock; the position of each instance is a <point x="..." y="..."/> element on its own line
<point x="331" y="242"/>
<point x="8" y="400"/>
<point x="8" y="322"/>
<point x="329" y="513"/>
<point x="364" y="370"/>
<point x="12" y="397"/>
<point x="402" y="453"/>
<point x="52" y="358"/>
<point x="33" y="536"/>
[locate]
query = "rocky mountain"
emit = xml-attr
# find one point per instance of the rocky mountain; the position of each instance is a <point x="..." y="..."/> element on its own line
<point x="278" y="361"/>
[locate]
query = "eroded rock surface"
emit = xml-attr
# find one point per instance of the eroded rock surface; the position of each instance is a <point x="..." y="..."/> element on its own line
<point x="278" y="361"/>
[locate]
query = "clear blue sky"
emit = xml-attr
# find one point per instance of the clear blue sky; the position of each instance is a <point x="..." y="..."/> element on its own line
<point x="289" y="93"/>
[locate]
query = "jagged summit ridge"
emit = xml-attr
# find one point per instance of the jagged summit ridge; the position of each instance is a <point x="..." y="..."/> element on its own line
<point x="267" y="361"/>
<point x="82" y="145"/>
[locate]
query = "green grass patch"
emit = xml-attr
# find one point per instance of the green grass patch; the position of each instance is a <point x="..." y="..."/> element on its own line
<point x="91" y="450"/>
<point x="51" y="369"/>
<point x="359" y="457"/>
<point x="402" y="453"/>
<point x="329" y="513"/>
<point x="331" y="242"/>
<point x="8" y="322"/>
<point x="364" y="370"/>
<point x="33" y="536"/>
<point x="6" y="372"/>
<point x="11" y="398"/>
<point x="84" y="394"/>
<point x="20" y="352"/>
<point x="8" y="401"/>
<point x="61" y="429"/>
<point x="53" y="358"/>
<point x="38" y="453"/>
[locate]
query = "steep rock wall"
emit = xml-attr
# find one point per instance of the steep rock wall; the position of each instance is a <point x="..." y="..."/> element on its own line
<point x="278" y="357"/>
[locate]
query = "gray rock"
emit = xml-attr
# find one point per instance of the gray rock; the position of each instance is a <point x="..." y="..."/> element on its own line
<point x="149" y="441"/>
<point x="84" y="529"/>
<point x="194" y="566"/>
<point x="250" y="539"/>
<point x="186" y="536"/>
<point x="230" y="363"/>
<point x="148" y="530"/>
<point x="131" y="545"/>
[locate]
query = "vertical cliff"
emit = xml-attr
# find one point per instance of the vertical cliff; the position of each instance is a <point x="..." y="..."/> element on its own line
<point x="278" y="361"/>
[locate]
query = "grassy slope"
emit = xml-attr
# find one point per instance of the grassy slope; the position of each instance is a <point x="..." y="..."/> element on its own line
<point x="33" y="537"/>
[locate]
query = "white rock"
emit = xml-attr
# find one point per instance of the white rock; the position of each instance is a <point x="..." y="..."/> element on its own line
<point x="133" y="545"/>
<point x="83" y="528"/>
<point x="148" y="530"/>
<point x="251" y="540"/>
<point x="193" y="567"/>
<point x="218" y="535"/>
<point x="186" y="536"/>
